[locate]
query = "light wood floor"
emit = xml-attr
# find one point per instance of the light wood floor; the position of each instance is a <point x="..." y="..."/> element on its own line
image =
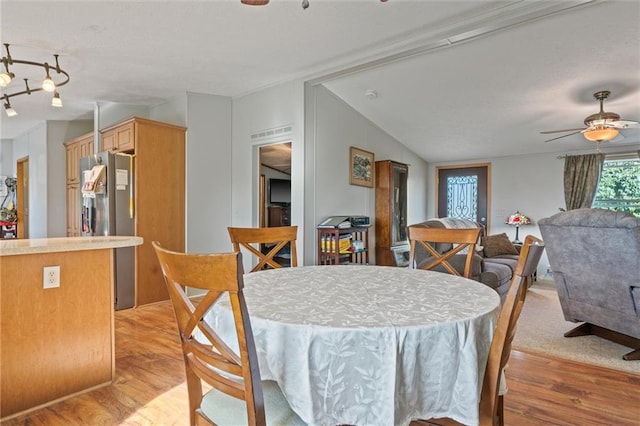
<point x="149" y="388"/>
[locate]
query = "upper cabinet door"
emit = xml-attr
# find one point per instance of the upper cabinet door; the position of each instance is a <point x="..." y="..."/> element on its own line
<point x="119" y="139"/>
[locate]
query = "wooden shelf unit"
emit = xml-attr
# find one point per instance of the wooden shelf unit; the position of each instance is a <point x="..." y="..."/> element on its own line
<point x="330" y="254"/>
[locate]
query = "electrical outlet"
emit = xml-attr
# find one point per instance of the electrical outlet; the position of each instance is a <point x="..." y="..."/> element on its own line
<point x="51" y="277"/>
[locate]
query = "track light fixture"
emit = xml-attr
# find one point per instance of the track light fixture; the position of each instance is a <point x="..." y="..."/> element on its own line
<point x="48" y="84"/>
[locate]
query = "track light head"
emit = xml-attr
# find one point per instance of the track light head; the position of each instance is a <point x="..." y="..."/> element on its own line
<point x="56" y="101"/>
<point x="5" y="78"/>
<point x="7" y="108"/>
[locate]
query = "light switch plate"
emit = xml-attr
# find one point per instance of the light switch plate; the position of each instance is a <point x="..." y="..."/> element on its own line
<point x="51" y="277"/>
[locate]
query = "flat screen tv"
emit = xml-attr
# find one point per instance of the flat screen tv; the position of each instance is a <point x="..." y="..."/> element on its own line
<point x="279" y="191"/>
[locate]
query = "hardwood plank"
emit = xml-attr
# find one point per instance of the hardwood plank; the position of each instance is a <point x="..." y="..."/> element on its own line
<point x="555" y="391"/>
<point x="150" y="389"/>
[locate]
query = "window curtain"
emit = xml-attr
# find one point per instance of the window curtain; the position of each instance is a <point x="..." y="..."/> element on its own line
<point x="581" y="177"/>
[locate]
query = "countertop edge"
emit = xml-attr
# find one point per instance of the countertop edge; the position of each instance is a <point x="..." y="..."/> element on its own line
<point x="16" y="247"/>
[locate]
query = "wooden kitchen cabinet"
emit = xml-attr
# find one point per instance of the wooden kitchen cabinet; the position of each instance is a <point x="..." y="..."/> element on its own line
<point x="392" y="241"/>
<point x="159" y="195"/>
<point x="73" y="210"/>
<point x="119" y="139"/>
<point x="77" y="148"/>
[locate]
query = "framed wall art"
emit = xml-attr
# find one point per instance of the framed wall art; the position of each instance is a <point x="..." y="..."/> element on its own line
<point x="361" y="167"/>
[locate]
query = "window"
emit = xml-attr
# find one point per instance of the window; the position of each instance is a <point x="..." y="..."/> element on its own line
<point x="619" y="187"/>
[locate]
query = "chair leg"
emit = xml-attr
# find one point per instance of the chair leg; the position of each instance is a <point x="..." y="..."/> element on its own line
<point x="632" y="356"/>
<point x="500" y="410"/>
<point x="583" y="329"/>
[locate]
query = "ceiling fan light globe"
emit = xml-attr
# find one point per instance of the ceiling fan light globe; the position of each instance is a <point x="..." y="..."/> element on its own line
<point x="602" y="134"/>
<point x="255" y="2"/>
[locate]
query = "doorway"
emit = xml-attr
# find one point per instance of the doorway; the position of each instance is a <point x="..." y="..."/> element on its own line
<point x="22" y="196"/>
<point x="463" y="192"/>
<point x="275" y="185"/>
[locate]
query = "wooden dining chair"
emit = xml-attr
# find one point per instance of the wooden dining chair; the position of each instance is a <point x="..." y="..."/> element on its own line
<point x="491" y="409"/>
<point x="274" y="239"/>
<point x="491" y="402"/>
<point x="237" y="395"/>
<point x="430" y="238"/>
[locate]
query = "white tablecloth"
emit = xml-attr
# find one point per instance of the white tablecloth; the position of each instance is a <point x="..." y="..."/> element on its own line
<point x="369" y="345"/>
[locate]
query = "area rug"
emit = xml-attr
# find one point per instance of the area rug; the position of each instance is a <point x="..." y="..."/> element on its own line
<point x="541" y="329"/>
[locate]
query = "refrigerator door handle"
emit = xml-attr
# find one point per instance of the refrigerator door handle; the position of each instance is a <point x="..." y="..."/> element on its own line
<point x="131" y="207"/>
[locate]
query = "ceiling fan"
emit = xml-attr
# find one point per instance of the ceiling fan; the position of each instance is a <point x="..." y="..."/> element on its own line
<point x="601" y="127"/>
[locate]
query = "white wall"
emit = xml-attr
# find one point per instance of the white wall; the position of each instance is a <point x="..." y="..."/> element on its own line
<point x="271" y="108"/>
<point x="174" y="111"/>
<point x="58" y="132"/>
<point x="334" y="128"/>
<point x="112" y="113"/>
<point x="7" y="166"/>
<point x="33" y="144"/>
<point x="208" y="167"/>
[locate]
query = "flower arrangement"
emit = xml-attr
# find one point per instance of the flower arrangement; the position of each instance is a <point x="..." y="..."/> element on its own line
<point x="517" y="219"/>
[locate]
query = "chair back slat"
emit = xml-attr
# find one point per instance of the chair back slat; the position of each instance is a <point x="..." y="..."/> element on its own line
<point x="254" y="241"/>
<point x="213" y="361"/>
<point x="428" y="237"/>
<point x="505" y="331"/>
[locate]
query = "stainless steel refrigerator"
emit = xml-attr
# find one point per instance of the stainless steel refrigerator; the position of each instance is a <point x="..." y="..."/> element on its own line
<point x="107" y="208"/>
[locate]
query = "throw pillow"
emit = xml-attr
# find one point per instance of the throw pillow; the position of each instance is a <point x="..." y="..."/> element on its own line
<point x="495" y="245"/>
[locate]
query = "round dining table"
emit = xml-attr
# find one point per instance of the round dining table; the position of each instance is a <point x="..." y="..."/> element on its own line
<point x="369" y="345"/>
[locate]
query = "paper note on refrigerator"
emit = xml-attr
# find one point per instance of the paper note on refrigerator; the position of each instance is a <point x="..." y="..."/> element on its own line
<point x="122" y="179"/>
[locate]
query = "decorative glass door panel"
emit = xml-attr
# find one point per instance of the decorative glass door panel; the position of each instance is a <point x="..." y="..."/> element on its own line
<point x="463" y="192"/>
<point x="462" y="197"/>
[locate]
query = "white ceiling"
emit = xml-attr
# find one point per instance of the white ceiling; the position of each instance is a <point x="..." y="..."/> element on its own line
<point x="455" y="80"/>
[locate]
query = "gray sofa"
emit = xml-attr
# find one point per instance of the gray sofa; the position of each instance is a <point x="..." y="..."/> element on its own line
<point x="595" y="258"/>
<point x="495" y="271"/>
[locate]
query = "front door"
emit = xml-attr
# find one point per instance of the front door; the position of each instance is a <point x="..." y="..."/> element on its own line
<point x="463" y="192"/>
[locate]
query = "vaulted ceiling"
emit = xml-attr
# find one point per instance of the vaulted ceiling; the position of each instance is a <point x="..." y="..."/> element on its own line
<point x="454" y="80"/>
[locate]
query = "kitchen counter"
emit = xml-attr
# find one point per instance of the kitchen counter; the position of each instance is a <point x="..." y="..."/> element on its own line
<point x="57" y="338"/>
<point x="50" y="245"/>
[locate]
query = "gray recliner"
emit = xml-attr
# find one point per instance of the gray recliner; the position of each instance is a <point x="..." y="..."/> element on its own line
<point x="595" y="258"/>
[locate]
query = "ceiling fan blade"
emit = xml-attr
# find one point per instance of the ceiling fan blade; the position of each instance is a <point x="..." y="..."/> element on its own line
<point x="625" y="124"/>
<point x="563" y="136"/>
<point x="559" y="131"/>
<point x="618" y="138"/>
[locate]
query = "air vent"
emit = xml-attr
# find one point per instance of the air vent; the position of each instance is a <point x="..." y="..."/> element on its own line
<point x="271" y="133"/>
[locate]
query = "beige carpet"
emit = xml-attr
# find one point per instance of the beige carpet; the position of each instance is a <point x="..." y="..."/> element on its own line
<point x="541" y="327"/>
